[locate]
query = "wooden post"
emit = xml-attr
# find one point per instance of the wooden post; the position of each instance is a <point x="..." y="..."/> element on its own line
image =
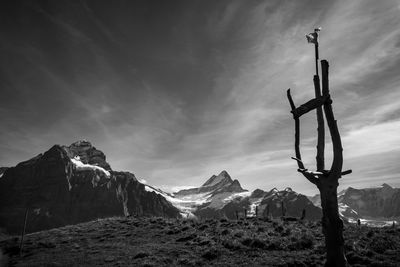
<point x="303" y="214"/>
<point x="23" y="232"/>
<point x="256" y="211"/>
<point x="237" y="215"/>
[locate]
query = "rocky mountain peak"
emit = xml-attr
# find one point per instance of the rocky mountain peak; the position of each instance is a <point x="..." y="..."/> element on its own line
<point x="385" y="185"/>
<point x="72" y="184"/>
<point x="87" y="153"/>
<point x="214" y="185"/>
<point x="222" y="178"/>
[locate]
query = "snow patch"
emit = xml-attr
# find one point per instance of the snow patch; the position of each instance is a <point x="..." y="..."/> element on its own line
<point x="343" y="208"/>
<point x="254" y="203"/>
<point x="186" y="204"/>
<point x="80" y="166"/>
<point x="143" y="181"/>
<point x="237" y="195"/>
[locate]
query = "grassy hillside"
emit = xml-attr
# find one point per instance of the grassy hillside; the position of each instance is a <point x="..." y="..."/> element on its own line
<point x="171" y="242"/>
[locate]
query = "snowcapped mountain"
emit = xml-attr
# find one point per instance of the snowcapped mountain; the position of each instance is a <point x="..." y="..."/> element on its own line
<point x="273" y="203"/>
<point x="72" y="184"/>
<point x="375" y="206"/>
<point x="220" y="196"/>
<point x="222" y="183"/>
<point x="378" y="202"/>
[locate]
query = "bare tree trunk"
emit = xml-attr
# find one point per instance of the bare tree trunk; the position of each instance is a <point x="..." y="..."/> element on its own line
<point x="332" y="224"/>
<point x="327" y="181"/>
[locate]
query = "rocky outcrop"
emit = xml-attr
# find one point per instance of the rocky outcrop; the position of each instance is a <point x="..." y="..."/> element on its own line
<point x="293" y="204"/>
<point x="67" y="185"/>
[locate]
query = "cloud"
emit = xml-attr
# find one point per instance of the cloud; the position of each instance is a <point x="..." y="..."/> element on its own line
<point x="374" y="139"/>
<point x="180" y="94"/>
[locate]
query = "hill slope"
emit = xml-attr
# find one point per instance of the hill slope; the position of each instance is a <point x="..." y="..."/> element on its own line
<point x="171" y="242"/>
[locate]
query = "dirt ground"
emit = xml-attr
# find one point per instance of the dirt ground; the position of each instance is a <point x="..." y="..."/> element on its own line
<point x="171" y="242"/>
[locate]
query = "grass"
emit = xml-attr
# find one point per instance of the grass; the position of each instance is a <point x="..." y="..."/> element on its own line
<point x="171" y="242"/>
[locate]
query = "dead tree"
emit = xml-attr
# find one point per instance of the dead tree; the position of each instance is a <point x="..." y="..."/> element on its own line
<point x="326" y="181"/>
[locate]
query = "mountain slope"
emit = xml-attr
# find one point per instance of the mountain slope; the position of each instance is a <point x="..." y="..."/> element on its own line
<point x="267" y="204"/>
<point x="222" y="197"/>
<point x="377" y="206"/>
<point x="71" y="184"/>
<point x="216" y="184"/>
<point x="383" y="201"/>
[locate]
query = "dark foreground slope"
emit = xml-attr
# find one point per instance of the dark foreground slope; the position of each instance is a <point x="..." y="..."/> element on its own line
<point x="172" y="242"/>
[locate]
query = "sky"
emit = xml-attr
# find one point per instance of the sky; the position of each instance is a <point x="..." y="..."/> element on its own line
<point x="176" y="91"/>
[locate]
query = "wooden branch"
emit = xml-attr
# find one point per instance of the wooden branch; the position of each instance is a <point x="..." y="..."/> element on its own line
<point x="296" y="133"/>
<point x="320" y="158"/>
<point x="347" y="172"/>
<point x="309" y="176"/>
<point x="299" y="160"/>
<point x="310" y="105"/>
<point x="337" y="164"/>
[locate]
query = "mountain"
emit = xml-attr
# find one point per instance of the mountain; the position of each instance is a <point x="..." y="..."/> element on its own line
<point x="222" y="197"/>
<point x="216" y="184"/>
<point x="376" y="206"/>
<point x="266" y="203"/>
<point x="383" y="201"/>
<point x="72" y="184"/>
<point x="2" y="170"/>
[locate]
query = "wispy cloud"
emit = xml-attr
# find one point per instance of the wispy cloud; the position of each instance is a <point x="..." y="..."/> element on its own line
<point x="180" y="94"/>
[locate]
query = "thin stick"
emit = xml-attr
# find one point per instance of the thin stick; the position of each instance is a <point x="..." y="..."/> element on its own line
<point x="23" y="233"/>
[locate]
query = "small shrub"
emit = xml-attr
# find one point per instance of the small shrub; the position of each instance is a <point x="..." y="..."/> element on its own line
<point x="257" y="243"/>
<point x="231" y="244"/>
<point x="185" y="228"/>
<point x="370" y="233"/>
<point x="279" y="228"/>
<point x="141" y="255"/>
<point x="225" y="232"/>
<point x="203" y="227"/>
<point x="211" y="254"/>
<point x="239" y="234"/>
<point x="354" y="258"/>
<point x="186" y="238"/>
<point x="274" y="245"/>
<point x="381" y="244"/>
<point x="306" y="241"/>
<point x="247" y="241"/>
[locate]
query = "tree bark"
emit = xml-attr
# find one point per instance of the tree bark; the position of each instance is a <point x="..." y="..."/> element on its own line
<point x="332" y="224"/>
<point x="326" y="181"/>
<point x="320" y="158"/>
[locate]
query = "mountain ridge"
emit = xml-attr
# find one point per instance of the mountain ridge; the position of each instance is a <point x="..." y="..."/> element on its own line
<point x="72" y="184"/>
